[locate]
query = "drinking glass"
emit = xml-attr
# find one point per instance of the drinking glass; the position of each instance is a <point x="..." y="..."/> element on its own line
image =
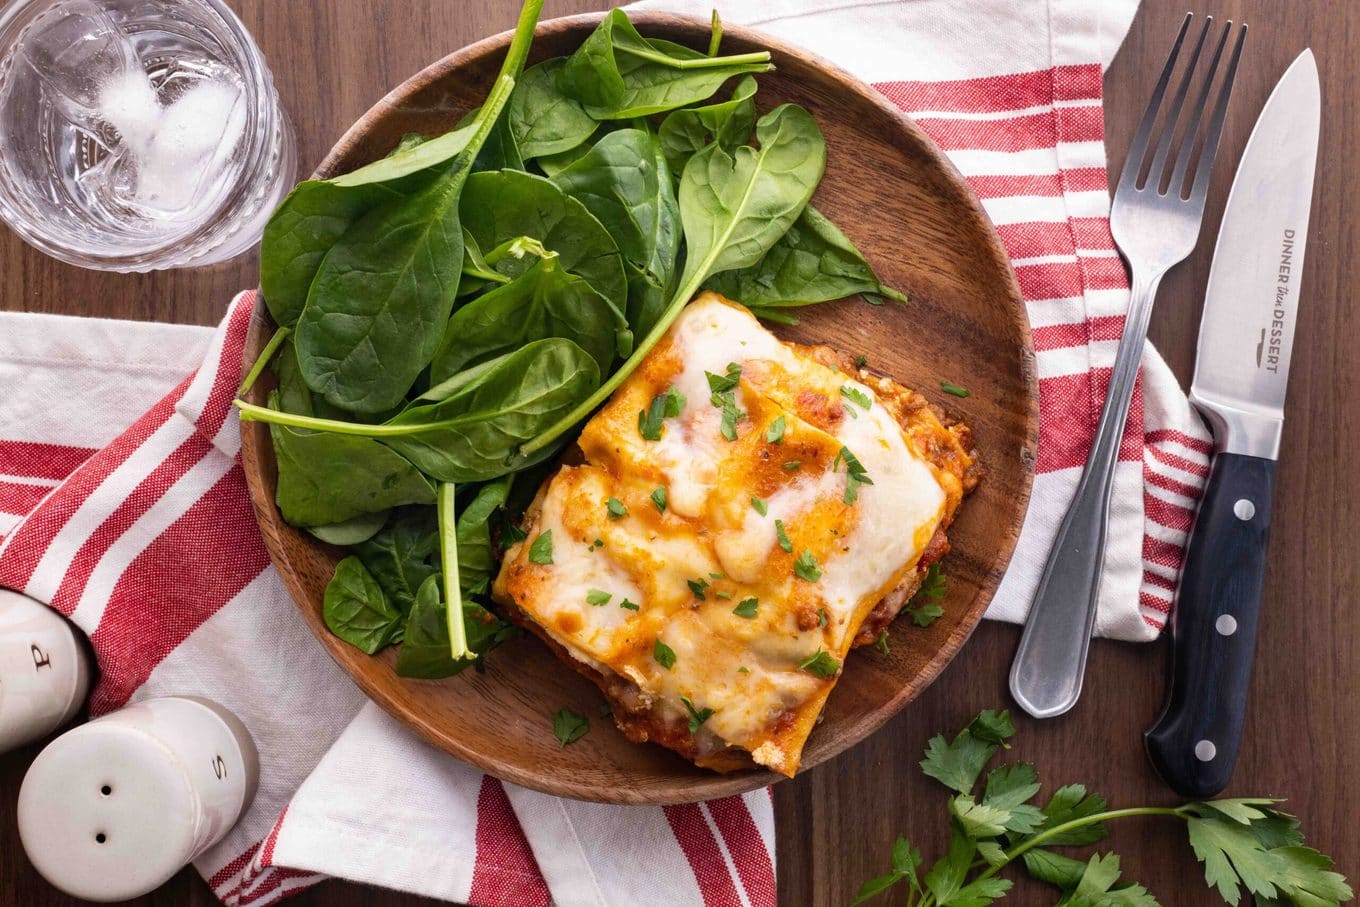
<point x="137" y="134"/>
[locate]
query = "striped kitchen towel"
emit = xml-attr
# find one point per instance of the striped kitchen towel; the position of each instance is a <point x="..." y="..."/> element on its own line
<point x="122" y="503"/>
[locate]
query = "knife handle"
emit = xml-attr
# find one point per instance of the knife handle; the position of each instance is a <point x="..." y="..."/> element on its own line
<point x="1194" y="743"/>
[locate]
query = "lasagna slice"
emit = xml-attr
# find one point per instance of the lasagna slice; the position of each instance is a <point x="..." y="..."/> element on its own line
<point x="743" y="512"/>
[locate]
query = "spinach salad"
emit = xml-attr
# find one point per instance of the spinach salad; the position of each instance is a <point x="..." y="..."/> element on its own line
<point x="450" y="315"/>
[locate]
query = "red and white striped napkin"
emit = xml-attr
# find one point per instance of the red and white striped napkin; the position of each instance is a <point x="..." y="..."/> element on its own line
<point x="123" y="505"/>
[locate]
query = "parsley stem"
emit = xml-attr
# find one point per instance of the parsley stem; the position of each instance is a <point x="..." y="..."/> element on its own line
<point x="1048" y="833"/>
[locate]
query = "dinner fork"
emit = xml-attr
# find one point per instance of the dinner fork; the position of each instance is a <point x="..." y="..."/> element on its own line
<point x="1155" y="219"/>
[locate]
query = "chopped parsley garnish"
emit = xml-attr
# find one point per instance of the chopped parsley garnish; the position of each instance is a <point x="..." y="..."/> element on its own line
<point x="821" y="617"/>
<point x="723" y="595"/>
<point x="666" y="405"/>
<point x="723" y="394"/>
<point x="716" y="576"/>
<point x="782" y="536"/>
<point x="510" y="533"/>
<point x="659" y="498"/>
<point x="696" y="716"/>
<point x="924" y="608"/>
<point x="746" y="607"/>
<point x="857" y="397"/>
<point x="881" y="644"/>
<point x="775" y="433"/>
<point x="568" y="727"/>
<point x="855" y="474"/>
<point x="743" y="670"/>
<point x="697" y="586"/>
<point x="821" y="664"/>
<point x="759" y="506"/>
<point x="540" y="552"/>
<point x="861" y="361"/>
<point x="805" y="567"/>
<point x="628" y="606"/>
<point x="950" y="388"/>
<point x="598" y="543"/>
<point x="792" y="465"/>
<point x="617" y="509"/>
<point x="664" y="655"/>
<point x="598" y="597"/>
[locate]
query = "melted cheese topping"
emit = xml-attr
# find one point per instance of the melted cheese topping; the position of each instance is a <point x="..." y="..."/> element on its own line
<point x="688" y="567"/>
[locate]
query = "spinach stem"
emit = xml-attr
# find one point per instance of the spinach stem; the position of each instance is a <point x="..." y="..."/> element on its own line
<point x="252" y="413"/>
<point x="448" y="555"/>
<point x="518" y="51"/>
<point x="715" y="39"/>
<point x="756" y="58"/>
<point x="266" y="354"/>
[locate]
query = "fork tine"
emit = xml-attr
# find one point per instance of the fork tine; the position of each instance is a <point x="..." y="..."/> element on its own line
<point x="1134" y="162"/>
<point x="1173" y="114"/>
<point x="1206" y="158"/>
<point x="1185" y="153"/>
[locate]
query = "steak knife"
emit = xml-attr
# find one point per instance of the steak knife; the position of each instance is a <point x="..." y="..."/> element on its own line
<point x="1251" y="307"/>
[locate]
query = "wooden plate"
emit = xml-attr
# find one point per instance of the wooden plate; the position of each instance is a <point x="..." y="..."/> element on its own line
<point x="892" y="191"/>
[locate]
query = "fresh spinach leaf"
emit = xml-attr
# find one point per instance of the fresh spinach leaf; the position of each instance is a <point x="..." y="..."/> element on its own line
<point x="383" y="293"/>
<point x="480" y="416"/>
<point x="686" y="132"/>
<point x="543" y="121"/>
<point x="618" y="74"/>
<point x="356" y="609"/>
<point x="352" y="531"/>
<point x="477" y="562"/>
<point x="424" y="652"/>
<point x="499" y="206"/>
<point x="624" y="181"/>
<point x="734" y="208"/>
<point x="403" y="554"/>
<point x="328" y="478"/>
<point x="545" y="301"/>
<point x="813" y="262"/>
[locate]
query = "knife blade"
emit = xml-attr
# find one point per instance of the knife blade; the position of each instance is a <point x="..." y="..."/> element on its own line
<point x="1251" y="307"/>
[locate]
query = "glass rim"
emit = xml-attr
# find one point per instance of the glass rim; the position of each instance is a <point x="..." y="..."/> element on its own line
<point x="265" y="120"/>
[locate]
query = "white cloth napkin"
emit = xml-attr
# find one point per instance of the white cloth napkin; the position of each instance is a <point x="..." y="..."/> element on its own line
<point x="122" y="504"/>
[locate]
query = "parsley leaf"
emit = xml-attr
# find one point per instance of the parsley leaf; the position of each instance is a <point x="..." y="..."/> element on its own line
<point x="721" y="384"/>
<point x="759" y="506"/>
<point x="855" y="474"/>
<point x="664" y="655"/>
<point x="746" y="607"/>
<point x="857" y="397"/>
<point x="905" y="861"/>
<point x="775" y="433"/>
<point x="950" y="388"/>
<point x="659" y="498"/>
<point x="805" y="567"/>
<point x="540" y="552"/>
<point x="792" y="465"/>
<point x="923" y="608"/>
<point x="782" y="536"/>
<point x="568" y="727"/>
<point x="697" y="586"/>
<point x="821" y="664"/>
<point x="881" y="644"/>
<point x="696" y="716"/>
<point x="722" y="394"/>
<point x="629" y="606"/>
<point x="861" y="361"/>
<point x="667" y="404"/>
<point x="1069" y="804"/>
<point x="598" y="597"/>
<point x="616" y="508"/>
<point x="957" y="765"/>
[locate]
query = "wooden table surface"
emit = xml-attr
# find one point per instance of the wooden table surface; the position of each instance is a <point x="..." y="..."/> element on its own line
<point x="836" y="823"/>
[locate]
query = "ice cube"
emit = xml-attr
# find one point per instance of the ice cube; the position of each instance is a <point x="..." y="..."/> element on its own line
<point x="193" y="141"/>
<point x="128" y="103"/>
<point x="76" y="49"/>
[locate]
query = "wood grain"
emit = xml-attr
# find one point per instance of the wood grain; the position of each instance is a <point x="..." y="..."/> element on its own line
<point x="966" y="321"/>
<point x="836" y="823"/>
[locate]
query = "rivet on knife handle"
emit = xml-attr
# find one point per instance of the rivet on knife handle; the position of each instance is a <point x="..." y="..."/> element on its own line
<point x="1194" y="744"/>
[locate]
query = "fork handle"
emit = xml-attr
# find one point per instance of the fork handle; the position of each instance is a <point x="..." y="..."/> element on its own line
<point x="1049" y="666"/>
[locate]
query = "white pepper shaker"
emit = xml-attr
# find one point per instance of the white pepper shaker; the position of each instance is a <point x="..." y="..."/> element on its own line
<point x="44" y="670"/>
<point x="112" y="809"/>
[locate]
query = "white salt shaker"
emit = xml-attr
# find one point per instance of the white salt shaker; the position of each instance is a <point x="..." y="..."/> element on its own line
<point x="114" y="808"/>
<point x="44" y="670"/>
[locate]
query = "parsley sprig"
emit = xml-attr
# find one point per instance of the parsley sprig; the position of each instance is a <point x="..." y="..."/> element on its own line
<point x="924" y="608"/>
<point x="1241" y="842"/>
<point x="723" y="395"/>
<point x="855" y="474"/>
